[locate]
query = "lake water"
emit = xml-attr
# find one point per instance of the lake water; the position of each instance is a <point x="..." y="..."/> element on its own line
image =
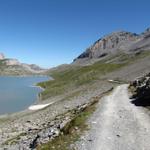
<point x="18" y="93"/>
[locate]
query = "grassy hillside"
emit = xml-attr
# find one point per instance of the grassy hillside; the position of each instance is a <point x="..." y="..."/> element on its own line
<point x="73" y="77"/>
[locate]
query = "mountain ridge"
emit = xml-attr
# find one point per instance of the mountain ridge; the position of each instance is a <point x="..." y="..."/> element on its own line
<point x="11" y="66"/>
<point x="113" y="43"/>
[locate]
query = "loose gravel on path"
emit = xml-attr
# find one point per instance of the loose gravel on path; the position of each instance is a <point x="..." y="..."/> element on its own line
<point x="117" y="124"/>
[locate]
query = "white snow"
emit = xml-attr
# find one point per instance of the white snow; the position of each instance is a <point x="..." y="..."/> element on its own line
<point x="38" y="107"/>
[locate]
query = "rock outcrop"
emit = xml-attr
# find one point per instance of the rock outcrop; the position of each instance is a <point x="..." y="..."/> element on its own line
<point x="114" y="43"/>
<point x="141" y="90"/>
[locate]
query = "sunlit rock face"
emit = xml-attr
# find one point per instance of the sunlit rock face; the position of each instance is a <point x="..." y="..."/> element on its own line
<point x="108" y="44"/>
<point x="115" y="43"/>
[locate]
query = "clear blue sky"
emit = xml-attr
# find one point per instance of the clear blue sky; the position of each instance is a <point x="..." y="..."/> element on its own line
<point x="52" y="32"/>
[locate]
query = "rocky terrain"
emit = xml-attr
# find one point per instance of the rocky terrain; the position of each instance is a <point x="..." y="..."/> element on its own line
<point x="117" y="124"/>
<point x="141" y="90"/>
<point x="29" y="129"/>
<point x="113" y="44"/>
<point x="9" y="66"/>
<point x="120" y="57"/>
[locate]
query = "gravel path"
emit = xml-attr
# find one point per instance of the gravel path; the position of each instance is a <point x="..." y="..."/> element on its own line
<point x="117" y="124"/>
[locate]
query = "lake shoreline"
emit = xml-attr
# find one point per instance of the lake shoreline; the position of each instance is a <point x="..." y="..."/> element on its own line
<point x="28" y="124"/>
<point x="38" y="98"/>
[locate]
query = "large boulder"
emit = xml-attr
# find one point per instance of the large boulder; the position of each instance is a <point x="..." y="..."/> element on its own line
<point x="141" y="90"/>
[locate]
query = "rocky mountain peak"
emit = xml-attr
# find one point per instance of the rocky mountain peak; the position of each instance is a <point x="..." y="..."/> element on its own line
<point x="114" y="39"/>
<point x="108" y="44"/>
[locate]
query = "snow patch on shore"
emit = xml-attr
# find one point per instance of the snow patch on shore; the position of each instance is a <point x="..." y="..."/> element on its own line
<point x="38" y="107"/>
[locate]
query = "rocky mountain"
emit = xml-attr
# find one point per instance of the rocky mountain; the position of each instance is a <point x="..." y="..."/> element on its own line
<point x="114" y="43"/>
<point x="9" y="66"/>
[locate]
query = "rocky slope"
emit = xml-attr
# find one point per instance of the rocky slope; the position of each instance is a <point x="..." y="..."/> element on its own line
<point x="114" y="43"/>
<point x="9" y="66"/>
<point x="141" y="90"/>
<point x="76" y="85"/>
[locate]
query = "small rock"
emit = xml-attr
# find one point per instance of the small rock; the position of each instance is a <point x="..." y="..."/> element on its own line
<point x="90" y="140"/>
<point x="76" y="128"/>
<point x="118" y="135"/>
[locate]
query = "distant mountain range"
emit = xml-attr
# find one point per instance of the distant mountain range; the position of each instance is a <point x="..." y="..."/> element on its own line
<point x="115" y="43"/>
<point x="119" y="43"/>
<point x="9" y="66"/>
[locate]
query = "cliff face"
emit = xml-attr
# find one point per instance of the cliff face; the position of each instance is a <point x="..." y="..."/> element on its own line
<point x="124" y="42"/>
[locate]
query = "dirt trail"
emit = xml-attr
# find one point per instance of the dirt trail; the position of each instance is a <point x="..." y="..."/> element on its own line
<point x="117" y="125"/>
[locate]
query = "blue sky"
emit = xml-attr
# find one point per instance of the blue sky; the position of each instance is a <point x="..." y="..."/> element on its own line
<point x="53" y="32"/>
